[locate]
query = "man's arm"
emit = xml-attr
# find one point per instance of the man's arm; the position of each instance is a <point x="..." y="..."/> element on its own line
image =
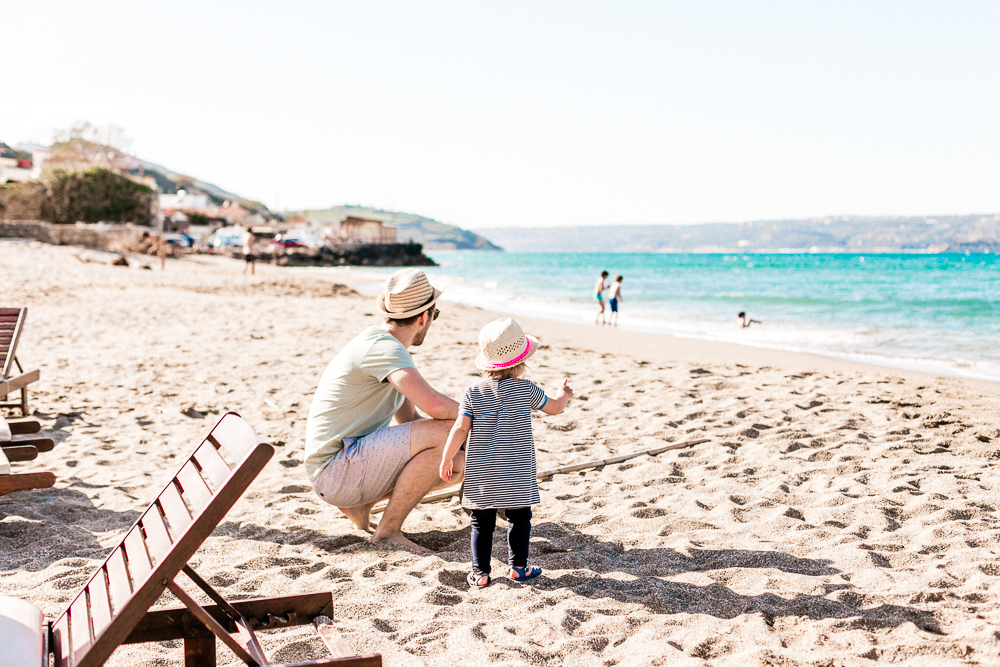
<point x="407" y="413"/>
<point x="411" y="384"/>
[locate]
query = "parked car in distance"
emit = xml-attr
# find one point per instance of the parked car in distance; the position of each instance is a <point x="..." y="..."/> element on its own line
<point x="181" y="240"/>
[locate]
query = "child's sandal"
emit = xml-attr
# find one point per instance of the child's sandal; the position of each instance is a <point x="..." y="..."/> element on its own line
<point x="477" y="580"/>
<point x="524" y="573"/>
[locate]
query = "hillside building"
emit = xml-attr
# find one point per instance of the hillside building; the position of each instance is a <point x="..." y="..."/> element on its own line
<point x="365" y="230"/>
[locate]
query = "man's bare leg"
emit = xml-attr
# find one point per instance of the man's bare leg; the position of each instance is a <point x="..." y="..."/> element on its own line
<point x="360" y="516"/>
<point x="418" y="477"/>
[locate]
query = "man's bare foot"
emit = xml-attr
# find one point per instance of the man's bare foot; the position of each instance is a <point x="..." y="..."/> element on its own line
<point x="360" y="516"/>
<point x="399" y="539"/>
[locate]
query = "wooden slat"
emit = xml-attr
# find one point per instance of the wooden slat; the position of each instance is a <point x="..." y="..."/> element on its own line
<point x="334" y="641"/>
<point x="157" y="538"/>
<point x="136" y="557"/>
<point x="175" y="510"/>
<point x="269" y="613"/>
<point x="100" y="602"/>
<point x="79" y="626"/>
<point x="251" y="642"/>
<point x="211" y="464"/>
<point x="5" y="368"/>
<point x="217" y="629"/>
<point x="121" y="589"/>
<point x="16" y="453"/>
<point x="60" y="641"/>
<point x="24" y="426"/>
<point x="353" y="661"/>
<point x="41" y="444"/>
<point x="14" y="383"/>
<point x="195" y="490"/>
<point x="234" y="435"/>
<point x="27" y="480"/>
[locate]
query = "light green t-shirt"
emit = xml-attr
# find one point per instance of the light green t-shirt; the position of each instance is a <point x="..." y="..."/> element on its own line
<point x="354" y="398"/>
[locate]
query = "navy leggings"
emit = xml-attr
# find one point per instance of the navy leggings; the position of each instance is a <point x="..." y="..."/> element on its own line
<point x="484" y="522"/>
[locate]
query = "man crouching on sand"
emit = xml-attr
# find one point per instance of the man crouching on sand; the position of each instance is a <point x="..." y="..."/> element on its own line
<point x="365" y="440"/>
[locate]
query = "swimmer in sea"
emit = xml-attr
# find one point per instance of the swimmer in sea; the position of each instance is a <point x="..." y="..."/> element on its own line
<point x="743" y="322"/>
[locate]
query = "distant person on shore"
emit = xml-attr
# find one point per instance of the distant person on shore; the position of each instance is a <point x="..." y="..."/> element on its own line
<point x="744" y="322"/>
<point x="365" y="440"/>
<point x="614" y="296"/>
<point x="500" y="474"/>
<point x="599" y="286"/>
<point x="249" y="256"/>
<point x="162" y="246"/>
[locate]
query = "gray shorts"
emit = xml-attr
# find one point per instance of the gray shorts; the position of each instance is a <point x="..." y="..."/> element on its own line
<point x="366" y="468"/>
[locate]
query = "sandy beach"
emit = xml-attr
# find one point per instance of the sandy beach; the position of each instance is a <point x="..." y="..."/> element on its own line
<point x="838" y="514"/>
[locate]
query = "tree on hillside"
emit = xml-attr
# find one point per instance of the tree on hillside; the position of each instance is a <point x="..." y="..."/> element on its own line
<point x="87" y="144"/>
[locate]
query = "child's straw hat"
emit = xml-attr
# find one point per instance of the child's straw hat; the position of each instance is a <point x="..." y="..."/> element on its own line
<point x="502" y="344"/>
<point x="407" y="293"/>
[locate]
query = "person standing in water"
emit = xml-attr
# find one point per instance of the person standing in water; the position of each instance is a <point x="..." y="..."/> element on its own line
<point x="615" y="295"/>
<point x="599" y="287"/>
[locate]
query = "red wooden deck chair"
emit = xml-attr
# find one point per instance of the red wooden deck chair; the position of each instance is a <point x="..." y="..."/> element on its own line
<point x="11" y="324"/>
<point x="114" y="607"/>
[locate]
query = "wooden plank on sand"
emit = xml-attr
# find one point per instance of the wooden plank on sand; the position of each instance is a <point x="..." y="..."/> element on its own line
<point x="444" y="495"/>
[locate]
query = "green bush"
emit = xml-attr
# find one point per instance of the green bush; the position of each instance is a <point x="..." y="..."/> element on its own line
<point x="21" y="201"/>
<point x="95" y="195"/>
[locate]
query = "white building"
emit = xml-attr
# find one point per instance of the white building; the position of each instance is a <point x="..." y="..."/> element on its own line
<point x="185" y="200"/>
<point x="10" y="171"/>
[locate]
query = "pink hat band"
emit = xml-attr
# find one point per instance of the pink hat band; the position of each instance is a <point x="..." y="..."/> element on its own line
<point x="513" y="362"/>
<point x="502" y="344"/>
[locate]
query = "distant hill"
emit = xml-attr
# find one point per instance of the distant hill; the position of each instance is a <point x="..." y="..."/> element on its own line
<point x="168" y="180"/>
<point x="172" y="181"/>
<point x="433" y="235"/>
<point x="960" y="233"/>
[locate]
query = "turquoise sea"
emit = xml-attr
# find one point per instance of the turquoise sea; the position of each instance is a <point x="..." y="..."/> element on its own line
<point x="935" y="313"/>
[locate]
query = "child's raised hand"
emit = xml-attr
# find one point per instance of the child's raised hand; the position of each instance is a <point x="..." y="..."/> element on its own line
<point x="565" y="388"/>
<point x="445" y="471"/>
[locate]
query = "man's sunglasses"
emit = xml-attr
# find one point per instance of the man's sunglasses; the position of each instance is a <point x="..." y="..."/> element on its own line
<point x="435" y="314"/>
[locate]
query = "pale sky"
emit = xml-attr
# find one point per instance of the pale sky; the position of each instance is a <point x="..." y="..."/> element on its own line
<point x="534" y="113"/>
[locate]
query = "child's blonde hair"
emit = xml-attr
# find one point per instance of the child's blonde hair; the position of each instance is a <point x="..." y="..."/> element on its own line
<point x="501" y="373"/>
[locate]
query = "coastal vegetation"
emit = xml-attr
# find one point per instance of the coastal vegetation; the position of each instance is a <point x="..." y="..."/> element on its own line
<point x="65" y="197"/>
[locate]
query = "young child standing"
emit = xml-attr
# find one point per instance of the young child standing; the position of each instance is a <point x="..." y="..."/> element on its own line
<point x="616" y="296"/>
<point x="495" y="415"/>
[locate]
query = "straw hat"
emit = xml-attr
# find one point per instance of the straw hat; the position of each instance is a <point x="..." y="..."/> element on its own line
<point x="502" y="344"/>
<point x="407" y="293"/>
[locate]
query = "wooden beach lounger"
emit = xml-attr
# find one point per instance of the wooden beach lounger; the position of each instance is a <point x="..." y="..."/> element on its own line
<point x="114" y="606"/>
<point x="11" y="324"/>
